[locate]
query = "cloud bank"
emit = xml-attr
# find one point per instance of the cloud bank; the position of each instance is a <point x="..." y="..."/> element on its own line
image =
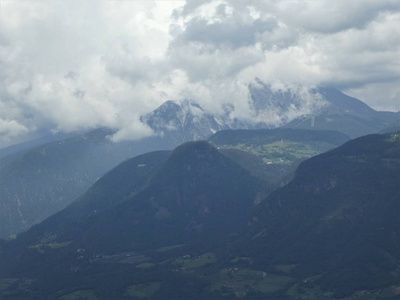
<point x="76" y="65"/>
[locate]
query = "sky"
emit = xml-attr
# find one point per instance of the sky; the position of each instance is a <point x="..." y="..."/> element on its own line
<point x="75" y="65"/>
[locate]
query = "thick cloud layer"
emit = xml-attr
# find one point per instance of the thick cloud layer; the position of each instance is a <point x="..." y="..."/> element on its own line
<point x="73" y="65"/>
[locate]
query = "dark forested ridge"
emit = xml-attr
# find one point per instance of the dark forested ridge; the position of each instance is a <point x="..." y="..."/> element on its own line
<point x="338" y="221"/>
<point x="193" y="195"/>
<point x="195" y="192"/>
<point x="184" y="224"/>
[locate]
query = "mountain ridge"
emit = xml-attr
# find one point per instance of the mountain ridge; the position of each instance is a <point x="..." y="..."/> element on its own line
<point x="332" y="213"/>
<point x="46" y="178"/>
<point x="186" y="187"/>
<point x="332" y="232"/>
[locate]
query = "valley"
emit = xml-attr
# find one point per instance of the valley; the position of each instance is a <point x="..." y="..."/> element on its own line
<point x="205" y="150"/>
<point x="115" y="242"/>
<point x="40" y="178"/>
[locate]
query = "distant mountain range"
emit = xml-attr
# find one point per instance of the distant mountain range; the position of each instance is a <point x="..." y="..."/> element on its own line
<point x="39" y="181"/>
<point x="345" y="114"/>
<point x="14" y="151"/>
<point x="45" y="179"/>
<point x="319" y="109"/>
<point x="191" y="223"/>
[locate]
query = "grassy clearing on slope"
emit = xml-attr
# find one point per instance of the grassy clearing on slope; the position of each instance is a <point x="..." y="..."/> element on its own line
<point x="169" y="248"/>
<point x="189" y="262"/>
<point x="134" y="259"/>
<point x="282" y="152"/>
<point x="287" y="269"/>
<point x="145" y="290"/>
<point x="242" y="259"/>
<point x="242" y="281"/>
<point x="126" y="257"/>
<point x="40" y="247"/>
<point x="80" y="295"/>
<point x="307" y="290"/>
<point x="145" y="265"/>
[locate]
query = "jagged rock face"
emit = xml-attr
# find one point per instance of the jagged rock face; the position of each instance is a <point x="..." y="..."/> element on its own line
<point x="321" y="108"/>
<point x="182" y="122"/>
<point x="267" y="109"/>
<point x="275" y="108"/>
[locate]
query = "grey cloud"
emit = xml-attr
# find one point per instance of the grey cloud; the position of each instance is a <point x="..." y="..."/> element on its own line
<point x="71" y="75"/>
<point x="188" y="8"/>
<point x="387" y="94"/>
<point x="329" y="16"/>
<point x="9" y="130"/>
<point x="279" y="38"/>
<point x="79" y="93"/>
<point x="230" y="34"/>
<point x="221" y="10"/>
<point x="207" y="62"/>
<point x="44" y="40"/>
<point x="340" y="43"/>
<point x="70" y="65"/>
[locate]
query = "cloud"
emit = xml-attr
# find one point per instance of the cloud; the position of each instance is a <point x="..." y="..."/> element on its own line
<point x="327" y="17"/>
<point x="76" y="65"/>
<point x="231" y="34"/>
<point x="71" y="65"/>
<point x="11" y="129"/>
<point x="387" y="94"/>
<point x="345" y="45"/>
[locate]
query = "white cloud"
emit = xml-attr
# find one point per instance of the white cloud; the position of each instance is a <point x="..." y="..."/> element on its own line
<point x="70" y="65"/>
<point x="11" y="129"/>
<point x="328" y="16"/>
<point x="381" y="95"/>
